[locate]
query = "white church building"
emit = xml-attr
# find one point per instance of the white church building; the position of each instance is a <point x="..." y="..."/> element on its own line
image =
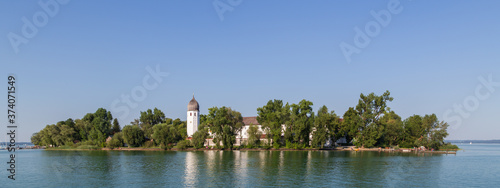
<point x="193" y="121"/>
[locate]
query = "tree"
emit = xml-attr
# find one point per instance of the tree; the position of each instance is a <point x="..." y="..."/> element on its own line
<point x="224" y="123"/>
<point x="133" y="135"/>
<point x="413" y="130"/>
<point x="393" y="129"/>
<point x="351" y="125"/>
<point x="149" y="118"/>
<point x="181" y="127"/>
<point x="254" y="135"/>
<point x="370" y="108"/>
<point x="199" y="138"/>
<point x="116" y="141"/>
<point x="425" y="131"/>
<point x="302" y="120"/>
<point x="272" y="116"/>
<point x="67" y="133"/>
<point x="325" y="127"/>
<point x="46" y="137"/>
<point x="55" y="134"/>
<point x="152" y="117"/>
<point x="116" y="126"/>
<point x="36" y="139"/>
<point x="165" y="134"/>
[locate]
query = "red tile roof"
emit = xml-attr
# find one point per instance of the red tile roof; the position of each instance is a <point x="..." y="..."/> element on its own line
<point x="250" y="120"/>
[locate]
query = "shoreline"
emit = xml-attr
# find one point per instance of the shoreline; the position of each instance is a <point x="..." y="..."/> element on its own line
<point x="404" y="150"/>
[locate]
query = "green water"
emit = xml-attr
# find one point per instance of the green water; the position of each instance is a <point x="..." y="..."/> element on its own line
<point x="477" y="165"/>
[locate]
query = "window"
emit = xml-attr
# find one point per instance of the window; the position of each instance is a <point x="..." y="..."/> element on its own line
<point x="190" y="114"/>
<point x="195" y="114"/>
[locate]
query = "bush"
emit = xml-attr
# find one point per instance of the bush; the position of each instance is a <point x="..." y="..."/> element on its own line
<point x="406" y="145"/>
<point x="133" y="135"/>
<point x="237" y="147"/>
<point x="448" y="146"/>
<point x="183" y="144"/>
<point x="298" y="146"/>
<point x="148" y="144"/>
<point x="162" y="146"/>
<point x="69" y="144"/>
<point x="116" y="141"/>
<point x="267" y="146"/>
<point x="276" y="145"/>
<point x="199" y="138"/>
<point x="289" y="145"/>
<point x="85" y="143"/>
<point x="250" y="146"/>
<point x="90" y="147"/>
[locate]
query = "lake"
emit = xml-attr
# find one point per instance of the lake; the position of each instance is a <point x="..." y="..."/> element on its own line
<point x="475" y="165"/>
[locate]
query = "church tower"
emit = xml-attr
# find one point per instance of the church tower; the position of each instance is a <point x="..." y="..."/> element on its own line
<point x="193" y="117"/>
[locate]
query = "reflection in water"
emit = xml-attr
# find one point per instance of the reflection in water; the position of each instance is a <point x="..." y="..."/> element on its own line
<point x="234" y="169"/>
<point x="191" y="169"/>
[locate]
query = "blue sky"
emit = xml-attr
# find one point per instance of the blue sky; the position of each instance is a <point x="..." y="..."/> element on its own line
<point x="89" y="54"/>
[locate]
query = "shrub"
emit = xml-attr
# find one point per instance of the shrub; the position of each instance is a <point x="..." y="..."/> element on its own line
<point x="267" y="146"/>
<point x="148" y="144"/>
<point x="199" y="138"/>
<point x="298" y="146"/>
<point x="116" y="141"/>
<point x="183" y="144"/>
<point x="448" y="146"/>
<point x="276" y="145"/>
<point x="133" y="135"/>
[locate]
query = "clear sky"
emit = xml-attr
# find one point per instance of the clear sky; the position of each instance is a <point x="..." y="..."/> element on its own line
<point x="87" y="54"/>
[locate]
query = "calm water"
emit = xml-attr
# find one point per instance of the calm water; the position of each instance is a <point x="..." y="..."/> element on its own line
<point x="477" y="165"/>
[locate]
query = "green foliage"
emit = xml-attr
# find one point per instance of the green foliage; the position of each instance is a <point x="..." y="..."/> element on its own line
<point x="165" y="134"/>
<point x="199" y="138"/>
<point x="267" y="146"/>
<point x="302" y="121"/>
<point x="149" y="118"/>
<point x="393" y="129"/>
<point x="371" y="123"/>
<point x="183" y="144"/>
<point x="448" y="146"/>
<point x="254" y="135"/>
<point x="148" y="144"/>
<point x="326" y="126"/>
<point x="152" y="117"/>
<point x="370" y="108"/>
<point x="272" y="116"/>
<point x="289" y="145"/>
<point x="36" y="138"/>
<point x="425" y="131"/>
<point x="116" y="141"/>
<point x="116" y="126"/>
<point x="133" y="136"/>
<point x="276" y="145"/>
<point x="249" y="146"/>
<point x="224" y="123"/>
<point x="297" y="146"/>
<point x="180" y="127"/>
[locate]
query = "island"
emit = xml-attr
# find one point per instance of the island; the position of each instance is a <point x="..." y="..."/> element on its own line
<point x="370" y="125"/>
